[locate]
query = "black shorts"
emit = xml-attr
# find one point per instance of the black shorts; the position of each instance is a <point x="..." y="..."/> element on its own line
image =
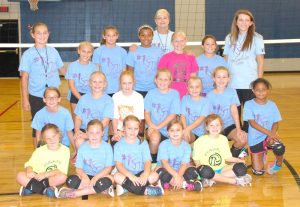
<point x="260" y="147"/>
<point x="110" y="94"/>
<point x="36" y="104"/>
<point x="244" y="95"/>
<point x="143" y="93"/>
<point x="73" y="98"/>
<point x="228" y="129"/>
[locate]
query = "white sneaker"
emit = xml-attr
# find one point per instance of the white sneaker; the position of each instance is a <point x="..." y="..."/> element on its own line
<point x="243" y="153"/>
<point x="110" y="191"/>
<point x="120" y="190"/>
<point x="207" y="182"/>
<point x="244" y="180"/>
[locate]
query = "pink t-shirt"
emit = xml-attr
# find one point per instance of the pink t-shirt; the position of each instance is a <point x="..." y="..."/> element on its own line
<point x="181" y="66"/>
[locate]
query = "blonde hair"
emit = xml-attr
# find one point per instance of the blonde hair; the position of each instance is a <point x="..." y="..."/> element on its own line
<point x="85" y="44"/>
<point x="235" y="30"/>
<point x="173" y="122"/>
<point x="163" y="70"/>
<point x="52" y="89"/>
<point x="219" y="68"/>
<point x="97" y="73"/>
<point x="33" y="28"/>
<point x="178" y="33"/>
<point x="47" y="127"/>
<point x="161" y="11"/>
<point x="194" y="78"/>
<point x="126" y="73"/>
<point x="95" y="122"/>
<point x="134" y="119"/>
<point x="109" y="27"/>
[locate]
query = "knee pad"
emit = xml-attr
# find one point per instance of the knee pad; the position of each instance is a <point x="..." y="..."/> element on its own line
<point x="128" y="185"/>
<point x="239" y="169"/>
<point x="190" y="174"/>
<point x="235" y="151"/>
<point x="278" y="149"/>
<point x="73" y="181"/>
<point x="206" y="172"/>
<point x="164" y="176"/>
<point x="102" y="184"/>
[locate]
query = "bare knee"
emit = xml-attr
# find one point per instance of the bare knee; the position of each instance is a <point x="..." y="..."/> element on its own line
<point x="118" y="178"/>
<point x="58" y="179"/>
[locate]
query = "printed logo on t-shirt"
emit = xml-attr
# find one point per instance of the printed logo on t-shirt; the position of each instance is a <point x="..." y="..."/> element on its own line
<point x="148" y="64"/>
<point x="132" y="162"/>
<point x="93" y="165"/>
<point x="51" y="167"/>
<point x="114" y="69"/>
<point x="180" y="72"/>
<point x="215" y="159"/>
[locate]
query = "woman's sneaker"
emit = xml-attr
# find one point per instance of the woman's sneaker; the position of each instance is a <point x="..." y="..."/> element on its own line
<point x="120" y="190"/>
<point x="154" y="190"/>
<point x="244" y="180"/>
<point x="273" y="168"/>
<point x="207" y="182"/>
<point x="193" y="186"/>
<point x="50" y="192"/>
<point x="110" y="191"/>
<point x="24" y="191"/>
<point x="65" y="193"/>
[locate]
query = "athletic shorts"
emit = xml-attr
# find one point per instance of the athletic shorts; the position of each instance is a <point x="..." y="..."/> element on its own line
<point x="260" y="147"/>
<point x="228" y="129"/>
<point x="73" y="98"/>
<point x="219" y="171"/>
<point x="36" y="104"/>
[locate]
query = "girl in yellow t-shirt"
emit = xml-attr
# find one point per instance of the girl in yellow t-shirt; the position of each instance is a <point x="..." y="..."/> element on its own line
<point x="211" y="152"/>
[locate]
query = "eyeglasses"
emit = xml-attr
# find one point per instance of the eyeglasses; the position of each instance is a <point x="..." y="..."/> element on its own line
<point x="50" y="98"/>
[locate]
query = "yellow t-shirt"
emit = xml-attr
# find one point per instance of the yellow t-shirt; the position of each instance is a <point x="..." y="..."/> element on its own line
<point x="211" y="151"/>
<point x="45" y="160"/>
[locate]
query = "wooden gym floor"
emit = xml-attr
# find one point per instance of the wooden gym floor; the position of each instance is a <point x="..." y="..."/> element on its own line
<point x="282" y="189"/>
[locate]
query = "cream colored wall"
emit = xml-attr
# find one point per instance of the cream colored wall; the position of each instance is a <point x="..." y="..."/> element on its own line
<point x="14" y="10"/>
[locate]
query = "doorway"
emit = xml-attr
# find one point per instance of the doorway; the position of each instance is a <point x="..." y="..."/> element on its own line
<point x="9" y="57"/>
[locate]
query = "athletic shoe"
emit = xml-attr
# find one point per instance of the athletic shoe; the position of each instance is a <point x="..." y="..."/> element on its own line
<point x="166" y="186"/>
<point x="110" y="191"/>
<point x="244" y="180"/>
<point x="154" y="190"/>
<point x="65" y="193"/>
<point x="120" y="190"/>
<point x="24" y="191"/>
<point x="193" y="186"/>
<point x="243" y="153"/>
<point x="258" y="173"/>
<point x="273" y="168"/>
<point x="50" y="192"/>
<point x="207" y="182"/>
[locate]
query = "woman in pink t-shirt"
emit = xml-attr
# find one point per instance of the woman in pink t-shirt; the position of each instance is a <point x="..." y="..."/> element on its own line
<point x="181" y="64"/>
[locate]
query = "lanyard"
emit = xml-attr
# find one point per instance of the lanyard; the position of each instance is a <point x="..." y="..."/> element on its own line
<point x="45" y="63"/>
<point x="164" y="46"/>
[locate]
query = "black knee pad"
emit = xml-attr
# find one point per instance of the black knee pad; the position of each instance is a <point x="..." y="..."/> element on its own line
<point x="235" y="151"/>
<point x="102" y="184"/>
<point x="164" y="176"/>
<point x="190" y="174"/>
<point x="206" y="172"/>
<point x="138" y="190"/>
<point x="239" y="169"/>
<point x="73" y="181"/>
<point x="35" y="186"/>
<point x="278" y="149"/>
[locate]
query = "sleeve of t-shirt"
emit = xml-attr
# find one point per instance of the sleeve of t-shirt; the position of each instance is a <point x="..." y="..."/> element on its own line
<point x="187" y="154"/>
<point x="79" y="157"/>
<point x="206" y="108"/>
<point x="59" y="62"/>
<point x="162" y="153"/>
<point x="175" y="106"/>
<point x="194" y="65"/>
<point x="226" y="149"/>
<point x="116" y="111"/>
<point x="117" y="152"/>
<point x="235" y="99"/>
<point x="65" y="161"/>
<point x="69" y="73"/>
<point x="69" y="121"/>
<point x="96" y="57"/>
<point x="276" y="114"/>
<point x="247" y="113"/>
<point x="130" y="59"/>
<point x="259" y="45"/>
<point x="124" y="56"/>
<point x="78" y="109"/>
<point x="25" y="62"/>
<point x="227" y="45"/>
<point x="196" y="149"/>
<point x="33" y="159"/>
<point x="36" y="122"/>
<point x="146" y="151"/>
<point x="182" y="106"/>
<point x="147" y="103"/>
<point x="163" y="62"/>
<point x="109" y="109"/>
<point x="140" y="107"/>
<point x="109" y="160"/>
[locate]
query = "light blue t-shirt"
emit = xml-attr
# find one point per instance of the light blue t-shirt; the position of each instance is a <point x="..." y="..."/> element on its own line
<point x="62" y="119"/>
<point x="132" y="156"/>
<point x="264" y="115"/>
<point x="93" y="160"/>
<point x="206" y="68"/>
<point x="80" y="74"/>
<point x="176" y="155"/>
<point x="144" y="61"/>
<point x="160" y="105"/>
<point x="193" y="109"/>
<point x="89" y="108"/>
<point x="36" y="61"/>
<point x="243" y="64"/>
<point x="221" y="104"/>
<point x="112" y="61"/>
